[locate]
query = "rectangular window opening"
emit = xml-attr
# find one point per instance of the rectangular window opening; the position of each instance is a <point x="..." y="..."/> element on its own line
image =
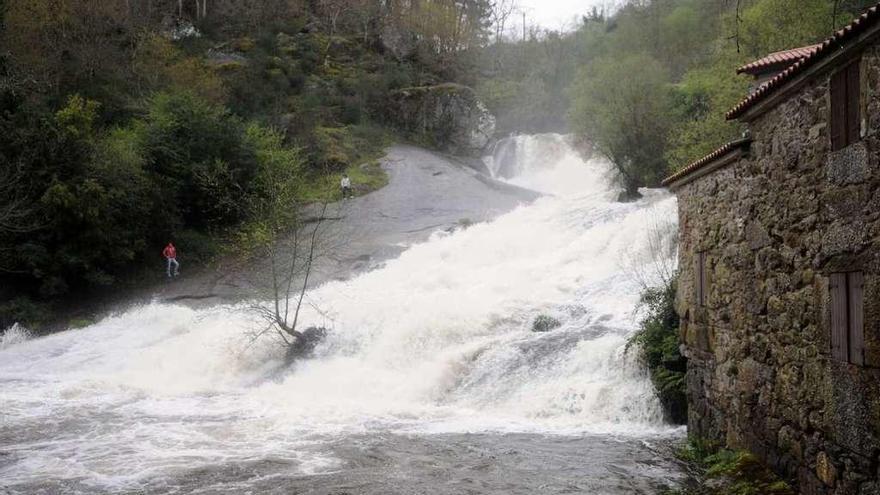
<point x="847" y="317"/>
<point x="846" y="106"/>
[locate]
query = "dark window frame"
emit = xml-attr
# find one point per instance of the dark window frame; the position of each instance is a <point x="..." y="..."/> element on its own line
<point x="847" y="298"/>
<point x="846" y="105"/>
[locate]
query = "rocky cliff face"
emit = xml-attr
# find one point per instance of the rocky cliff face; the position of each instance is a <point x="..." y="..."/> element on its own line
<point x="772" y="228"/>
<point x="449" y="116"/>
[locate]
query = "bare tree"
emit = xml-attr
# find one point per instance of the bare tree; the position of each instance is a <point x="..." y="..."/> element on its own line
<point x="290" y="237"/>
<point x="656" y="264"/>
<point x="291" y="261"/>
<point x="501" y="12"/>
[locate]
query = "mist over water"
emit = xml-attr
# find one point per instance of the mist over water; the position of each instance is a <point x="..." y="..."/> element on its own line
<point x="437" y="342"/>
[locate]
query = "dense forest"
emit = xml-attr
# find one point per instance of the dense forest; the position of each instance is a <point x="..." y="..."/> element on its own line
<point x="127" y="123"/>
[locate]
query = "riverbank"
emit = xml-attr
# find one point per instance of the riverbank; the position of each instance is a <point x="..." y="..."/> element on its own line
<point x="205" y="257"/>
<point x="401" y="198"/>
<point x="713" y="470"/>
<point x="430" y="377"/>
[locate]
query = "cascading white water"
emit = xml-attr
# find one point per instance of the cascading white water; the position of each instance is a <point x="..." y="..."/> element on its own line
<point x="13" y="335"/>
<point x="437" y="340"/>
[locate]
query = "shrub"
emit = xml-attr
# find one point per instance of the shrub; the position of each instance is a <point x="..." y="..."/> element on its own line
<point x="194" y="247"/>
<point x="733" y="472"/>
<point x="196" y="152"/>
<point x="279" y="179"/>
<point x="23" y="311"/>
<point x="658" y="339"/>
<point x="333" y="148"/>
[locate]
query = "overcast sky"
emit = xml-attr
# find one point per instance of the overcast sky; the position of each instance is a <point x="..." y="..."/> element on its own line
<point x="557" y="13"/>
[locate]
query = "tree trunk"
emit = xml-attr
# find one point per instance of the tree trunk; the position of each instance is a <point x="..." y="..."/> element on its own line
<point x="630" y="192"/>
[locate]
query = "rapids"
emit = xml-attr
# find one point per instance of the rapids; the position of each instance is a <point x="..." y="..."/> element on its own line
<point x="430" y="381"/>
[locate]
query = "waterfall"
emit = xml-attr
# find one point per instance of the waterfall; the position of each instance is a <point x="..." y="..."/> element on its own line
<point x="438" y="340"/>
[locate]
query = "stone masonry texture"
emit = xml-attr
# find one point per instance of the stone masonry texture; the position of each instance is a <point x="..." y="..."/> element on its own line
<point x="773" y="226"/>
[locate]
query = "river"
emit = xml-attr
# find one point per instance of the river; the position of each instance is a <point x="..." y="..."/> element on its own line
<point x="430" y="381"/>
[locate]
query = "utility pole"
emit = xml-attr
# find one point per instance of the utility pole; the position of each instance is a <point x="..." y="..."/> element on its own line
<point x="524" y="25"/>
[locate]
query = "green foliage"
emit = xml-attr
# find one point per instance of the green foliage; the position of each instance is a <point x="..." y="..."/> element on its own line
<point x="772" y="25"/>
<point x="80" y="322"/>
<point x="701" y="100"/>
<point x="659" y="341"/>
<point x="683" y="32"/>
<point x="90" y="202"/>
<point x="332" y="147"/>
<point x="624" y="106"/>
<point x="366" y="144"/>
<point x="697" y="44"/>
<point x="278" y="184"/>
<point x="696" y="450"/>
<point x="77" y="118"/>
<point x="367" y="177"/>
<point x="125" y="139"/>
<point x="184" y="170"/>
<point x="23" y="310"/>
<point x="737" y="472"/>
<point x="198" y="153"/>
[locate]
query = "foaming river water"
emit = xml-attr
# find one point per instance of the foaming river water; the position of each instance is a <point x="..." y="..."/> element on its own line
<point x="431" y="380"/>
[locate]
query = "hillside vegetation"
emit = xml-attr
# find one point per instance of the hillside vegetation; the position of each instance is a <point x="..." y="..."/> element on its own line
<point x="648" y="83"/>
<point x="129" y="123"/>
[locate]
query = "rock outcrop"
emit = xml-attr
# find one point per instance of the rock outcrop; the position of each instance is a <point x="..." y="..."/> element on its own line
<point x="304" y="346"/>
<point x="545" y="323"/>
<point x="449" y="116"/>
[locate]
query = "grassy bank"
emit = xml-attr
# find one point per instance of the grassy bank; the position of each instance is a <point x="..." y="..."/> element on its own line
<point x="365" y="147"/>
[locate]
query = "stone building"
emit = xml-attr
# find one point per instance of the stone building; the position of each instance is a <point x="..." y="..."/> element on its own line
<point x="779" y="288"/>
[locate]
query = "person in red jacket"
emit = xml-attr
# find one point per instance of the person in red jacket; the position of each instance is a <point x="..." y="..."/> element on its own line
<point x="170" y="254"/>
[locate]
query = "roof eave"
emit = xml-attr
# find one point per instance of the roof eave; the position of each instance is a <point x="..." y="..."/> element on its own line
<point x="757" y="71"/>
<point x="738" y="149"/>
<point x="775" y="95"/>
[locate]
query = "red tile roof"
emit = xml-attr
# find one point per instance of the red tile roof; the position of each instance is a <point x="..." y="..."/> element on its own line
<point x="706" y="160"/>
<point x="782" y="58"/>
<point x="827" y="47"/>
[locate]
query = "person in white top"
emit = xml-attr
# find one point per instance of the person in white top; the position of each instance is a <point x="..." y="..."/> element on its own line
<point x="345" y="183"/>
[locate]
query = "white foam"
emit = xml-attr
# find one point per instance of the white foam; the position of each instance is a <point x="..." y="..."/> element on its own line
<point x="13" y="335"/>
<point x="436" y="340"/>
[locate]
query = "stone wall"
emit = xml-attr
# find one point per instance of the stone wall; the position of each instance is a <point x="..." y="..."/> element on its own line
<point x="773" y="226"/>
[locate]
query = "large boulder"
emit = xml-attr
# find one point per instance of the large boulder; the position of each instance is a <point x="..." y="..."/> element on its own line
<point x="449" y="116"/>
<point x="545" y="323"/>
